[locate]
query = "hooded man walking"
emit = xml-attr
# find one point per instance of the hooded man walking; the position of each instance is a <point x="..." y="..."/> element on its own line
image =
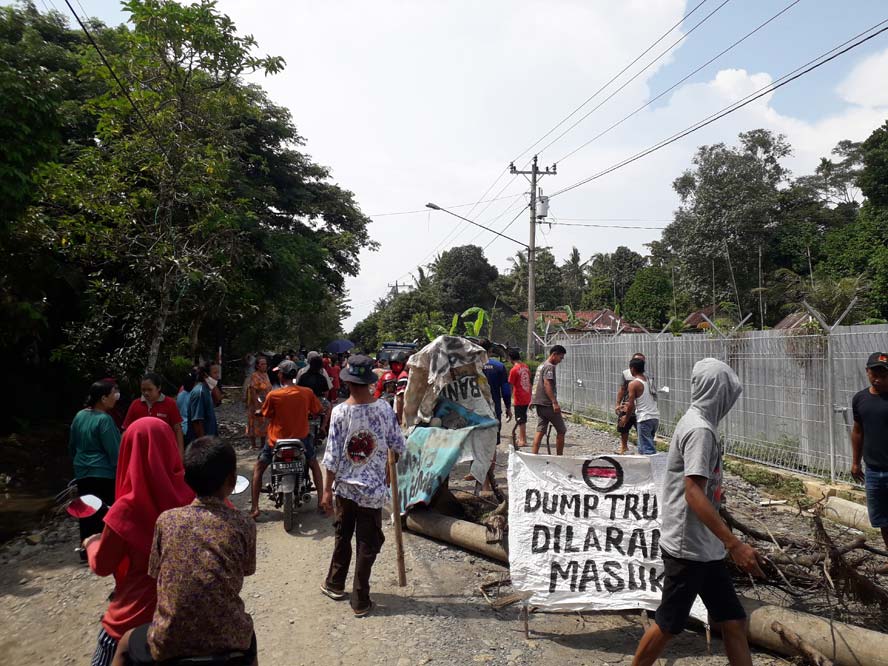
<point x="694" y="538"/>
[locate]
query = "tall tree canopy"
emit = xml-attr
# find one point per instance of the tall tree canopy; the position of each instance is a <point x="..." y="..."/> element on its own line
<point x="193" y="222"/>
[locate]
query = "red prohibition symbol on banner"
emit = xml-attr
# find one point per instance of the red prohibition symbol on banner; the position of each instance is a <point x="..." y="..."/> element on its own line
<point x="603" y="474"/>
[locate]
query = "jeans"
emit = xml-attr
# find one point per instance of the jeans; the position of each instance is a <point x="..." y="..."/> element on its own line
<point x="876" y="481"/>
<point x="647" y="430"/>
<point x="365" y="525"/>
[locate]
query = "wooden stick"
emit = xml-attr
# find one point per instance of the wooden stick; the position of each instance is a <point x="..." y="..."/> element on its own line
<point x="396" y="506"/>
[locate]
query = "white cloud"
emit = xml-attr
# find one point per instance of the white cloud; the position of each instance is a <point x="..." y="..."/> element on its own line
<point x="866" y="84"/>
<point x="416" y="102"/>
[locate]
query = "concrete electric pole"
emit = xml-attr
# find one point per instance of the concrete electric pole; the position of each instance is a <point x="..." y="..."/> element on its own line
<point x="535" y="174"/>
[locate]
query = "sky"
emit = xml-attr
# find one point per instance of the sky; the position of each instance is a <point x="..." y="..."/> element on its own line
<point x="416" y="102"/>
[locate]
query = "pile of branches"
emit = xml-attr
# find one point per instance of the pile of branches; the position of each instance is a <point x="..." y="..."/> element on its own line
<point x="819" y="573"/>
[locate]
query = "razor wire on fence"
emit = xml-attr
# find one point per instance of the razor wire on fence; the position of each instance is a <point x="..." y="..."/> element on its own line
<point x="795" y="411"/>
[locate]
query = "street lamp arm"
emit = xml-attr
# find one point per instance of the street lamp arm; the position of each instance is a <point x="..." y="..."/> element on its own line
<point x="493" y="231"/>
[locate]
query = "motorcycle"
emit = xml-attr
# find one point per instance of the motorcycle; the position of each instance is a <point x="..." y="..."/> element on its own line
<point x="290" y="485"/>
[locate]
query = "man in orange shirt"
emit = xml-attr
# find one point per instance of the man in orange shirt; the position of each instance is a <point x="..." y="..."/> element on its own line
<point x="287" y="410"/>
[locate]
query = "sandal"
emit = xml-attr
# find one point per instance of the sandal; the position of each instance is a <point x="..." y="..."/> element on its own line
<point x="365" y="611"/>
<point x="333" y="594"/>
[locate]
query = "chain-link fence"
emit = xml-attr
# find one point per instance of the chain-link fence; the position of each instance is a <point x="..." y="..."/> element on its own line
<point x="795" y="411"/>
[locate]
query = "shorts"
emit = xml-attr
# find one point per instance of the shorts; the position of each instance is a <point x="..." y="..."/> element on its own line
<point x="548" y="415"/>
<point x="624" y="430"/>
<point x="521" y="414"/>
<point x="266" y="455"/>
<point x="876" y="481"/>
<point x="138" y="653"/>
<point x="684" y="581"/>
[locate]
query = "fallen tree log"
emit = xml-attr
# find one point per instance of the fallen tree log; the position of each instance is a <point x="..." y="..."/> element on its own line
<point x="795" y="641"/>
<point x="846" y="512"/>
<point x="458" y="532"/>
<point x="843" y="644"/>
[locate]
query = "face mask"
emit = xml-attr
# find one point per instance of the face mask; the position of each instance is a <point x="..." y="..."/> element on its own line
<point x="116" y="395"/>
<point x="211" y="383"/>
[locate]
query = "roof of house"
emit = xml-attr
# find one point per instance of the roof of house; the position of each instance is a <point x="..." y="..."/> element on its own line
<point x="793" y="321"/>
<point x="695" y="319"/>
<point x="604" y="320"/>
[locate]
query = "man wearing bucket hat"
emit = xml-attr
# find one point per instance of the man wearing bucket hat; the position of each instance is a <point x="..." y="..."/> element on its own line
<point x="869" y="442"/>
<point x="362" y="431"/>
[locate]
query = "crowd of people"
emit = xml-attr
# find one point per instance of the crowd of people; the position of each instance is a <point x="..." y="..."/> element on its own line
<point x="179" y="550"/>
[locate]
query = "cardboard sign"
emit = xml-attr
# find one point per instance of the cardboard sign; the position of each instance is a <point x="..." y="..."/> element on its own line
<point x="584" y="534"/>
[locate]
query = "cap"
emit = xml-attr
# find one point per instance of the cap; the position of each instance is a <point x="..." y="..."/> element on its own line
<point x="359" y="370"/>
<point x="312" y="354"/>
<point x="287" y="367"/>
<point x="877" y="360"/>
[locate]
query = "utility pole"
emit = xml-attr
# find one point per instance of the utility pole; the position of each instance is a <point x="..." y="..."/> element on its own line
<point x="535" y="174"/>
<point x="393" y="288"/>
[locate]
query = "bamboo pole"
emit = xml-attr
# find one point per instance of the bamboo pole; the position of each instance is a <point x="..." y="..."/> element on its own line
<point x="396" y="513"/>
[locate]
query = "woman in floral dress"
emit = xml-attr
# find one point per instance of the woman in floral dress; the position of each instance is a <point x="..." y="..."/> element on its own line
<point x="260" y="385"/>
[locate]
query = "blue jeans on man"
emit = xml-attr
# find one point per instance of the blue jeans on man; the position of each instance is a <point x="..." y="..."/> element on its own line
<point x="647" y="430"/>
<point x="876" y="483"/>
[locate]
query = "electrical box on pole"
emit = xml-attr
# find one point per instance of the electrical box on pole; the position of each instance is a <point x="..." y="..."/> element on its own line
<point x="535" y="206"/>
<point x="542" y="210"/>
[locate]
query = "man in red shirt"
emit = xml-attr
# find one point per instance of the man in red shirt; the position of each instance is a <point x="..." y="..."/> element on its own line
<point x="519" y="378"/>
<point x="154" y="403"/>
<point x="287" y="410"/>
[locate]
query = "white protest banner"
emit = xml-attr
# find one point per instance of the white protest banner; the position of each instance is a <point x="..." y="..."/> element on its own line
<point x="584" y="533"/>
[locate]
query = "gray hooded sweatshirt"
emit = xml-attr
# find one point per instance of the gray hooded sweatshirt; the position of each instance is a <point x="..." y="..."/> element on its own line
<point x="696" y="450"/>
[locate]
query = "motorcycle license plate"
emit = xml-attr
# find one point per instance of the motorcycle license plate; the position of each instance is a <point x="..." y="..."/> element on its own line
<point x="285" y="468"/>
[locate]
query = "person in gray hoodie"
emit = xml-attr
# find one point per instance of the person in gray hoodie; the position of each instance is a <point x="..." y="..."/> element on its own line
<point x="694" y="538"/>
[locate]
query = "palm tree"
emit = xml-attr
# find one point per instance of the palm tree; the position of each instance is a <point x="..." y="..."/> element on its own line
<point x="829" y="296"/>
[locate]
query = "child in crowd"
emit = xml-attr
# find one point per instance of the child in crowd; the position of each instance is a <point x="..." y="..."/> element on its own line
<point x="200" y="555"/>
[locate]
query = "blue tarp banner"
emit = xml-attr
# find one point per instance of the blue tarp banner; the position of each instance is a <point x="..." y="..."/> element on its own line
<point x="432" y="452"/>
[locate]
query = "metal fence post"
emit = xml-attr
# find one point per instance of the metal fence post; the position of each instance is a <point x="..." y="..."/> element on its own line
<point x="830" y="424"/>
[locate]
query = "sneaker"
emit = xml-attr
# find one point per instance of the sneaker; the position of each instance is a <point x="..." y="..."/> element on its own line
<point x="335" y="595"/>
<point x="365" y="611"/>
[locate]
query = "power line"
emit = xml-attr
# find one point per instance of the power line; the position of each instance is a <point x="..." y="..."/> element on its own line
<point x="117" y="80"/>
<point x="493" y="231"/>
<point x="761" y="92"/>
<point x="615" y="219"/>
<point x="597" y="92"/>
<point x="600" y="226"/>
<point x="611" y="80"/>
<point x="426" y="210"/>
<point x="682" y="80"/>
<point x="503" y="213"/>
<point x="635" y="76"/>
<point x="462" y="227"/>
<point x="517" y="215"/>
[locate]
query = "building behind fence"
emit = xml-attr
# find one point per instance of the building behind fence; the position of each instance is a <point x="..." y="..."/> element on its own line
<point x="795" y="411"/>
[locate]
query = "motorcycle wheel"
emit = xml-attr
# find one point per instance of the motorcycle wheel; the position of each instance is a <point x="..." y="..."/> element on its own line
<point x="289" y="512"/>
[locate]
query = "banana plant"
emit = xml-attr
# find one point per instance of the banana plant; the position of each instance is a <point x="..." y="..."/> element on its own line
<point x="474" y="328"/>
<point x="432" y="331"/>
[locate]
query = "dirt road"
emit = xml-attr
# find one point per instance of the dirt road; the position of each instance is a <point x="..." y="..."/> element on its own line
<point x="50" y="607"/>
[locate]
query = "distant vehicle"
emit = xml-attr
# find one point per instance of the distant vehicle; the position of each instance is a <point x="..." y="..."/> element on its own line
<point x="396" y="351"/>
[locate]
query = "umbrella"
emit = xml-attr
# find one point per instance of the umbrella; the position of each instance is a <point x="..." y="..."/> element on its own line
<point x="340" y="346"/>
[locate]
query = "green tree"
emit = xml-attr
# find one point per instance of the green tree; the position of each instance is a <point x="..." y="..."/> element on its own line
<point x="873" y="178"/>
<point x="649" y="299"/>
<point x="729" y="203"/>
<point x="573" y="279"/>
<point x="463" y="278"/>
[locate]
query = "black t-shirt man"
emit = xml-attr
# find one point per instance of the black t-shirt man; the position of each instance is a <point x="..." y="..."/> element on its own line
<point x="871" y="412"/>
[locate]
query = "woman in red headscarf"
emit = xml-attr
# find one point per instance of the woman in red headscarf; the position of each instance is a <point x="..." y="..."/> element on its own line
<point x="150" y="480"/>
